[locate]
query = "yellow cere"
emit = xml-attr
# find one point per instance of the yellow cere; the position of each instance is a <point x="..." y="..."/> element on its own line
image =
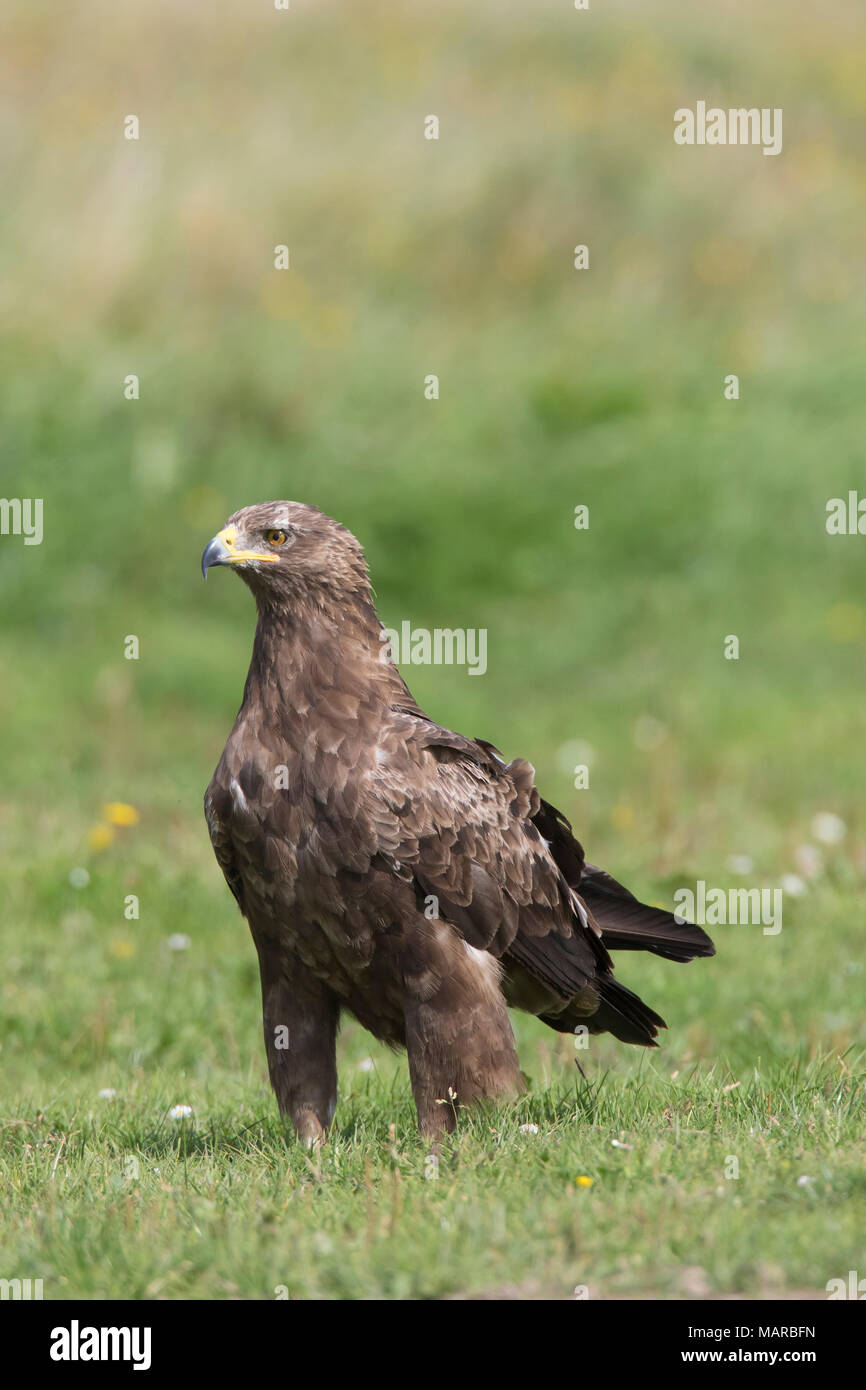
<point x="228" y="536"/>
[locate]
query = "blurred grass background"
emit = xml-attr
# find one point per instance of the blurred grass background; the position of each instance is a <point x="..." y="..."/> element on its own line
<point x="603" y="387"/>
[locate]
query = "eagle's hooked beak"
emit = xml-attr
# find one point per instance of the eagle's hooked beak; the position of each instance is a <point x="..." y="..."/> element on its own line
<point x="216" y="552"/>
<point x="222" y="551"/>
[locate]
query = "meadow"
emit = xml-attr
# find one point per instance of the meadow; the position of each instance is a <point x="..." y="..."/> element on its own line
<point x="605" y="646"/>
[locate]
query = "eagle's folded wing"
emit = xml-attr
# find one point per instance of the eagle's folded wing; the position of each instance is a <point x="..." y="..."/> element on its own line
<point x="457" y="818"/>
<point x="217" y="818"/>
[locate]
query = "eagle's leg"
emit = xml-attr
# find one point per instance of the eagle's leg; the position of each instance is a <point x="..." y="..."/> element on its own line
<point x="300" y="1017"/>
<point x="461" y="1049"/>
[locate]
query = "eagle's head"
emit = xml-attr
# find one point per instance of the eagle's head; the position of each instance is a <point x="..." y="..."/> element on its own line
<point x="287" y="550"/>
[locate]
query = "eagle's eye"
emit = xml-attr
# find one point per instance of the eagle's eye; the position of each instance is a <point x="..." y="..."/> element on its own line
<point x="276" y="537"/>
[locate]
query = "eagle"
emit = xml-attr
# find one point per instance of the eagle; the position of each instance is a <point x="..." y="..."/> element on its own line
<point x="391" y="868"/>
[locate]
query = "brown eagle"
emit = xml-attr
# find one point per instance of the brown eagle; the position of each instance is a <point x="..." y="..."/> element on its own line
<point x="393" y="868"/>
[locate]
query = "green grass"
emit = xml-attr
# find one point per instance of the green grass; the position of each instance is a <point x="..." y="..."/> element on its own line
<point x="113" y="1199"/>
<point x="557" y="388"/>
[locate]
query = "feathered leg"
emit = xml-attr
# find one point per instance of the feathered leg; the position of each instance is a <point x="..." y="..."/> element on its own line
<point x="300" y="1017"/>
<point x="461" y="1049"/>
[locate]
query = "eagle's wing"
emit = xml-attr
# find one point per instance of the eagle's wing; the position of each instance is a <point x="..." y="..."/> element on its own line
<point x="449" y="812"/>
<point x="217" y="808"/>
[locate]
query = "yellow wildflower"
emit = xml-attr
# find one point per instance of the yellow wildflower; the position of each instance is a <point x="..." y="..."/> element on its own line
<point x="120" y="813"/>
<point x="100" y="837"/>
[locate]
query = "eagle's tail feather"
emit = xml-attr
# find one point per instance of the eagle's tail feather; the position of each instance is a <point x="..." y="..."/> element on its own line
<point x="620" y="1012"/>
<point x="629" y="925"/>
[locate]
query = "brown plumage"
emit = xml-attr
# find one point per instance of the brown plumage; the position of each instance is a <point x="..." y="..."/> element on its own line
<point x="391" y="867"/>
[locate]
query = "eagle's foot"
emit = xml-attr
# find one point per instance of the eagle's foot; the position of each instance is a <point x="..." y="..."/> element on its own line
<point x="308" y="1127"/>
